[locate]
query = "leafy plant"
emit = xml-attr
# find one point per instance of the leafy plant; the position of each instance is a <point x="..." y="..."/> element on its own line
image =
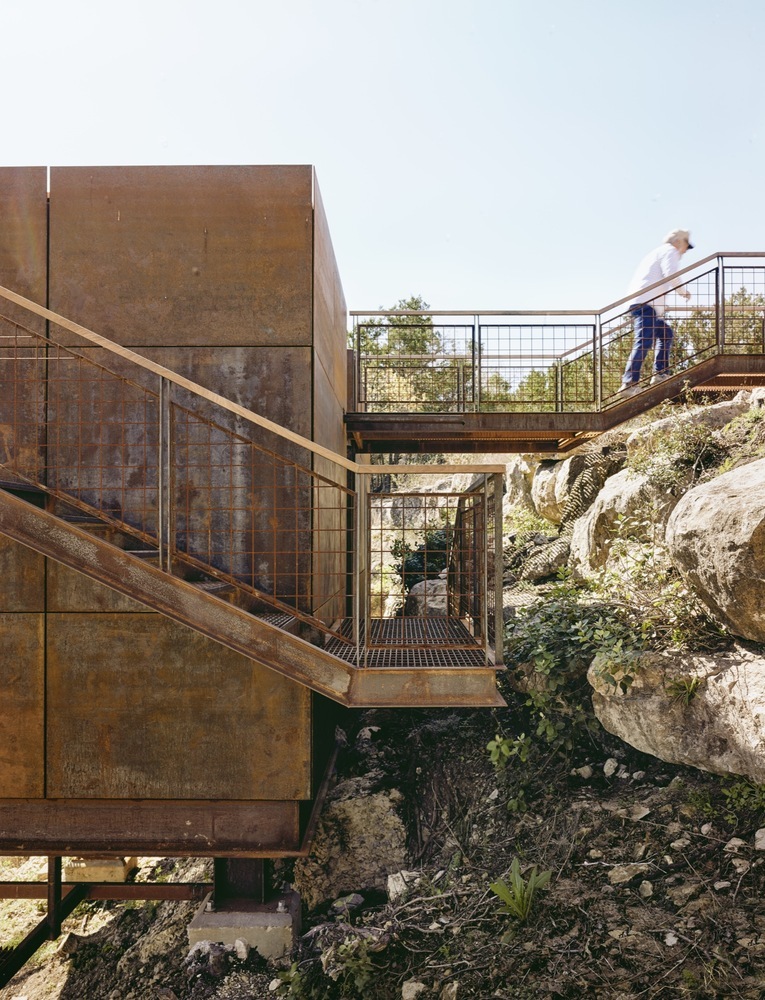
<point x="502" y="748"/>
<point x="684" y="689"/>
<point x="641" y="579"/>
<point x="518" y="893"/>
<point x="680" y="455"/>
<point x="554" y="642"/>
<point x="743" y="796"/>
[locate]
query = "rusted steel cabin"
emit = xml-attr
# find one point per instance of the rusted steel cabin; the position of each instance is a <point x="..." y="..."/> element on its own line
<point x="120" y="728"/>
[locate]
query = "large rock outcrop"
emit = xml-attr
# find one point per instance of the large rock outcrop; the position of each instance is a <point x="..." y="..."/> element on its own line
<point x="552" y="484"/>
<point x="627" y="500"/>
<point x="716" y="539"/>
<point x="712" y="417"/>
<point x="706" y="711"/>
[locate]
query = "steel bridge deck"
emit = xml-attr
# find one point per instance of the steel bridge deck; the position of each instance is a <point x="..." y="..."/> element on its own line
<point x="542" y="432"/>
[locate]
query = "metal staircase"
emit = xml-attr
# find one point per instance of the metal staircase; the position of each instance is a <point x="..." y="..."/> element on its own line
<point x="215" y="517"/>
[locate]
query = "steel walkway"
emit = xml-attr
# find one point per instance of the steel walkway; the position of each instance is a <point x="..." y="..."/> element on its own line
<point x="526" y="381"/>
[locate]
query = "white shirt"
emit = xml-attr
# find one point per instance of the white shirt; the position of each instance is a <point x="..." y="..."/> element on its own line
<point x="659" y="263"/>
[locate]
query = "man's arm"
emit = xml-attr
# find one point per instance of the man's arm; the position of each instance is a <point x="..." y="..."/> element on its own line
<point x="669" y="262"/>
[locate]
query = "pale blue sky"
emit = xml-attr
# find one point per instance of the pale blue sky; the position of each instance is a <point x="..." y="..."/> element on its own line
<point x="485" y="154"/>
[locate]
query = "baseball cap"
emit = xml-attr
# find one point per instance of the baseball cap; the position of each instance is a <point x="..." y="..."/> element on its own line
<point x="679" y="234"/>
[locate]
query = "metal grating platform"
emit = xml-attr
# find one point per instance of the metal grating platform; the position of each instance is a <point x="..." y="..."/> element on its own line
<point x="409" y="643"/>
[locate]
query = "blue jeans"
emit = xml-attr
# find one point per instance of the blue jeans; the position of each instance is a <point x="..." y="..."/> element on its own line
<point x="650" y="331"/>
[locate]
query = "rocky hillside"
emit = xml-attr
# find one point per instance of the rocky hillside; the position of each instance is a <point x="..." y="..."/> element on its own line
<point x="604" y="835"/>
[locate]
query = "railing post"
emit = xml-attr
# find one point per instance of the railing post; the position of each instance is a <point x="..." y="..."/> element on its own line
<point x="720" y="294"/>
<point x="597" y="366"/>
<point x="361" y="394"/>
<point x="477" y="364"/>
<point x="54" y="897"/>
<point x="559" y="385"/>
<point x="164" y="472"/>
<point x="362" y="562"/>
<point x="499" y="555"/>
<point x="483" y="555"/>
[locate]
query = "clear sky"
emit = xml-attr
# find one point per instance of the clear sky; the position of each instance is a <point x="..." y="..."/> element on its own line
<point x="485" y="154"/>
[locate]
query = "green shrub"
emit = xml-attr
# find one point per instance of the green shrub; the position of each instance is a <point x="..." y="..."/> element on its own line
<point x="552" y="644"/>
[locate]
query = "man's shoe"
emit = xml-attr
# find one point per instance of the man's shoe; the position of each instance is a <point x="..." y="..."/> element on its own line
<point x="660" y="377"/>
<point x="626" y="389"/>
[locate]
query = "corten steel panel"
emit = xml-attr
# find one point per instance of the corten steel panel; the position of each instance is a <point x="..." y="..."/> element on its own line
<point x="199" y="829"/>
<point x="330" y="330"/>
<point x="22" y="577"/>
<point x="273" y="382"/>
<point x="24" y="239"/>
<point x="140" y="707"/>
<point x="225" y="495"/>
<point x="22" y="402"/>
<point x="71" y="591"/>
<point x="23" y="704"/>
<point x="328" y="415"/>
<point x="216" y="255"/>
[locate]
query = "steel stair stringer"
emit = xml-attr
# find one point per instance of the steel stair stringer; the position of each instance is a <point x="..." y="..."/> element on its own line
<point x="175" y="598"/>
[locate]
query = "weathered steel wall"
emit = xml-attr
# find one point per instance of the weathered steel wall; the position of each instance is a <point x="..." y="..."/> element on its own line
<point x="330" y="403"/>
<point x="23" y="269"/>
<point x="24" y="238"/>
<point x="184" y="256"/>
<point x="137" y="706"/>
<point x="180" y="717"/>
<point x="225" y="275"/>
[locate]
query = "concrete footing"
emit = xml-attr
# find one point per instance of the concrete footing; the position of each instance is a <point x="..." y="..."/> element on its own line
<point x="269" y="928"/>
<point x="97" y="869"/>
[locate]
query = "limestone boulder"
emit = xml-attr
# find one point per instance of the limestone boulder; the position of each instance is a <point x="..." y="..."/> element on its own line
<point x="359" y="842"/>
<point x="627" y="504"/>
<point x="519" y="477"/>
<point x="713" y="417"/>
<point x="552" y="483"/>
<point x="545" y="560"/>
<point x="705" y="711"/>
<point x="716" y="538"/>
<point x="429" y="598"/>
<point x="562" y="491"/>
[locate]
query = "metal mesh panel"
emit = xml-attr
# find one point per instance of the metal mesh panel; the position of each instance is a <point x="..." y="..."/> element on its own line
<point x="532" y="366"/>
<point x="256" y="516"/>
<point x="744" y="316"/>
<point x="693" y="321"/>
<point x="216" y="503"/>
<point x="424" y="567"/>
<point x="79" y="430"/>
<point x="234" y="509"/>
<point x="412" y="364"/>
<point x="543" y="363"/>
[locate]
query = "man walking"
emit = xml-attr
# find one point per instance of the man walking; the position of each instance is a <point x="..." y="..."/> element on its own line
<point x="651" y="329"/>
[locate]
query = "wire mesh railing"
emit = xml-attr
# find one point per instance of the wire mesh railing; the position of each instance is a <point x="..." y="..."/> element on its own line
<point x="215" y="489"/>
<point x="205" y="495"/>
<point x="537" y="362"/>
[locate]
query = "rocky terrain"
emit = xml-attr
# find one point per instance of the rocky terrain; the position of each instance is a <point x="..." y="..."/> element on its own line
<point x="623" y="875"/>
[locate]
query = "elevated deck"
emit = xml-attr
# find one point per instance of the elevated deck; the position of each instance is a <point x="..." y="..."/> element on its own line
<point x="530" y="381"/>
<point x="546" y="432"/>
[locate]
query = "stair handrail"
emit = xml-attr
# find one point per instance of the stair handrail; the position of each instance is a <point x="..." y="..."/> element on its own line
<point x="112" y="347"/>
<point x="180" y="380"/>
